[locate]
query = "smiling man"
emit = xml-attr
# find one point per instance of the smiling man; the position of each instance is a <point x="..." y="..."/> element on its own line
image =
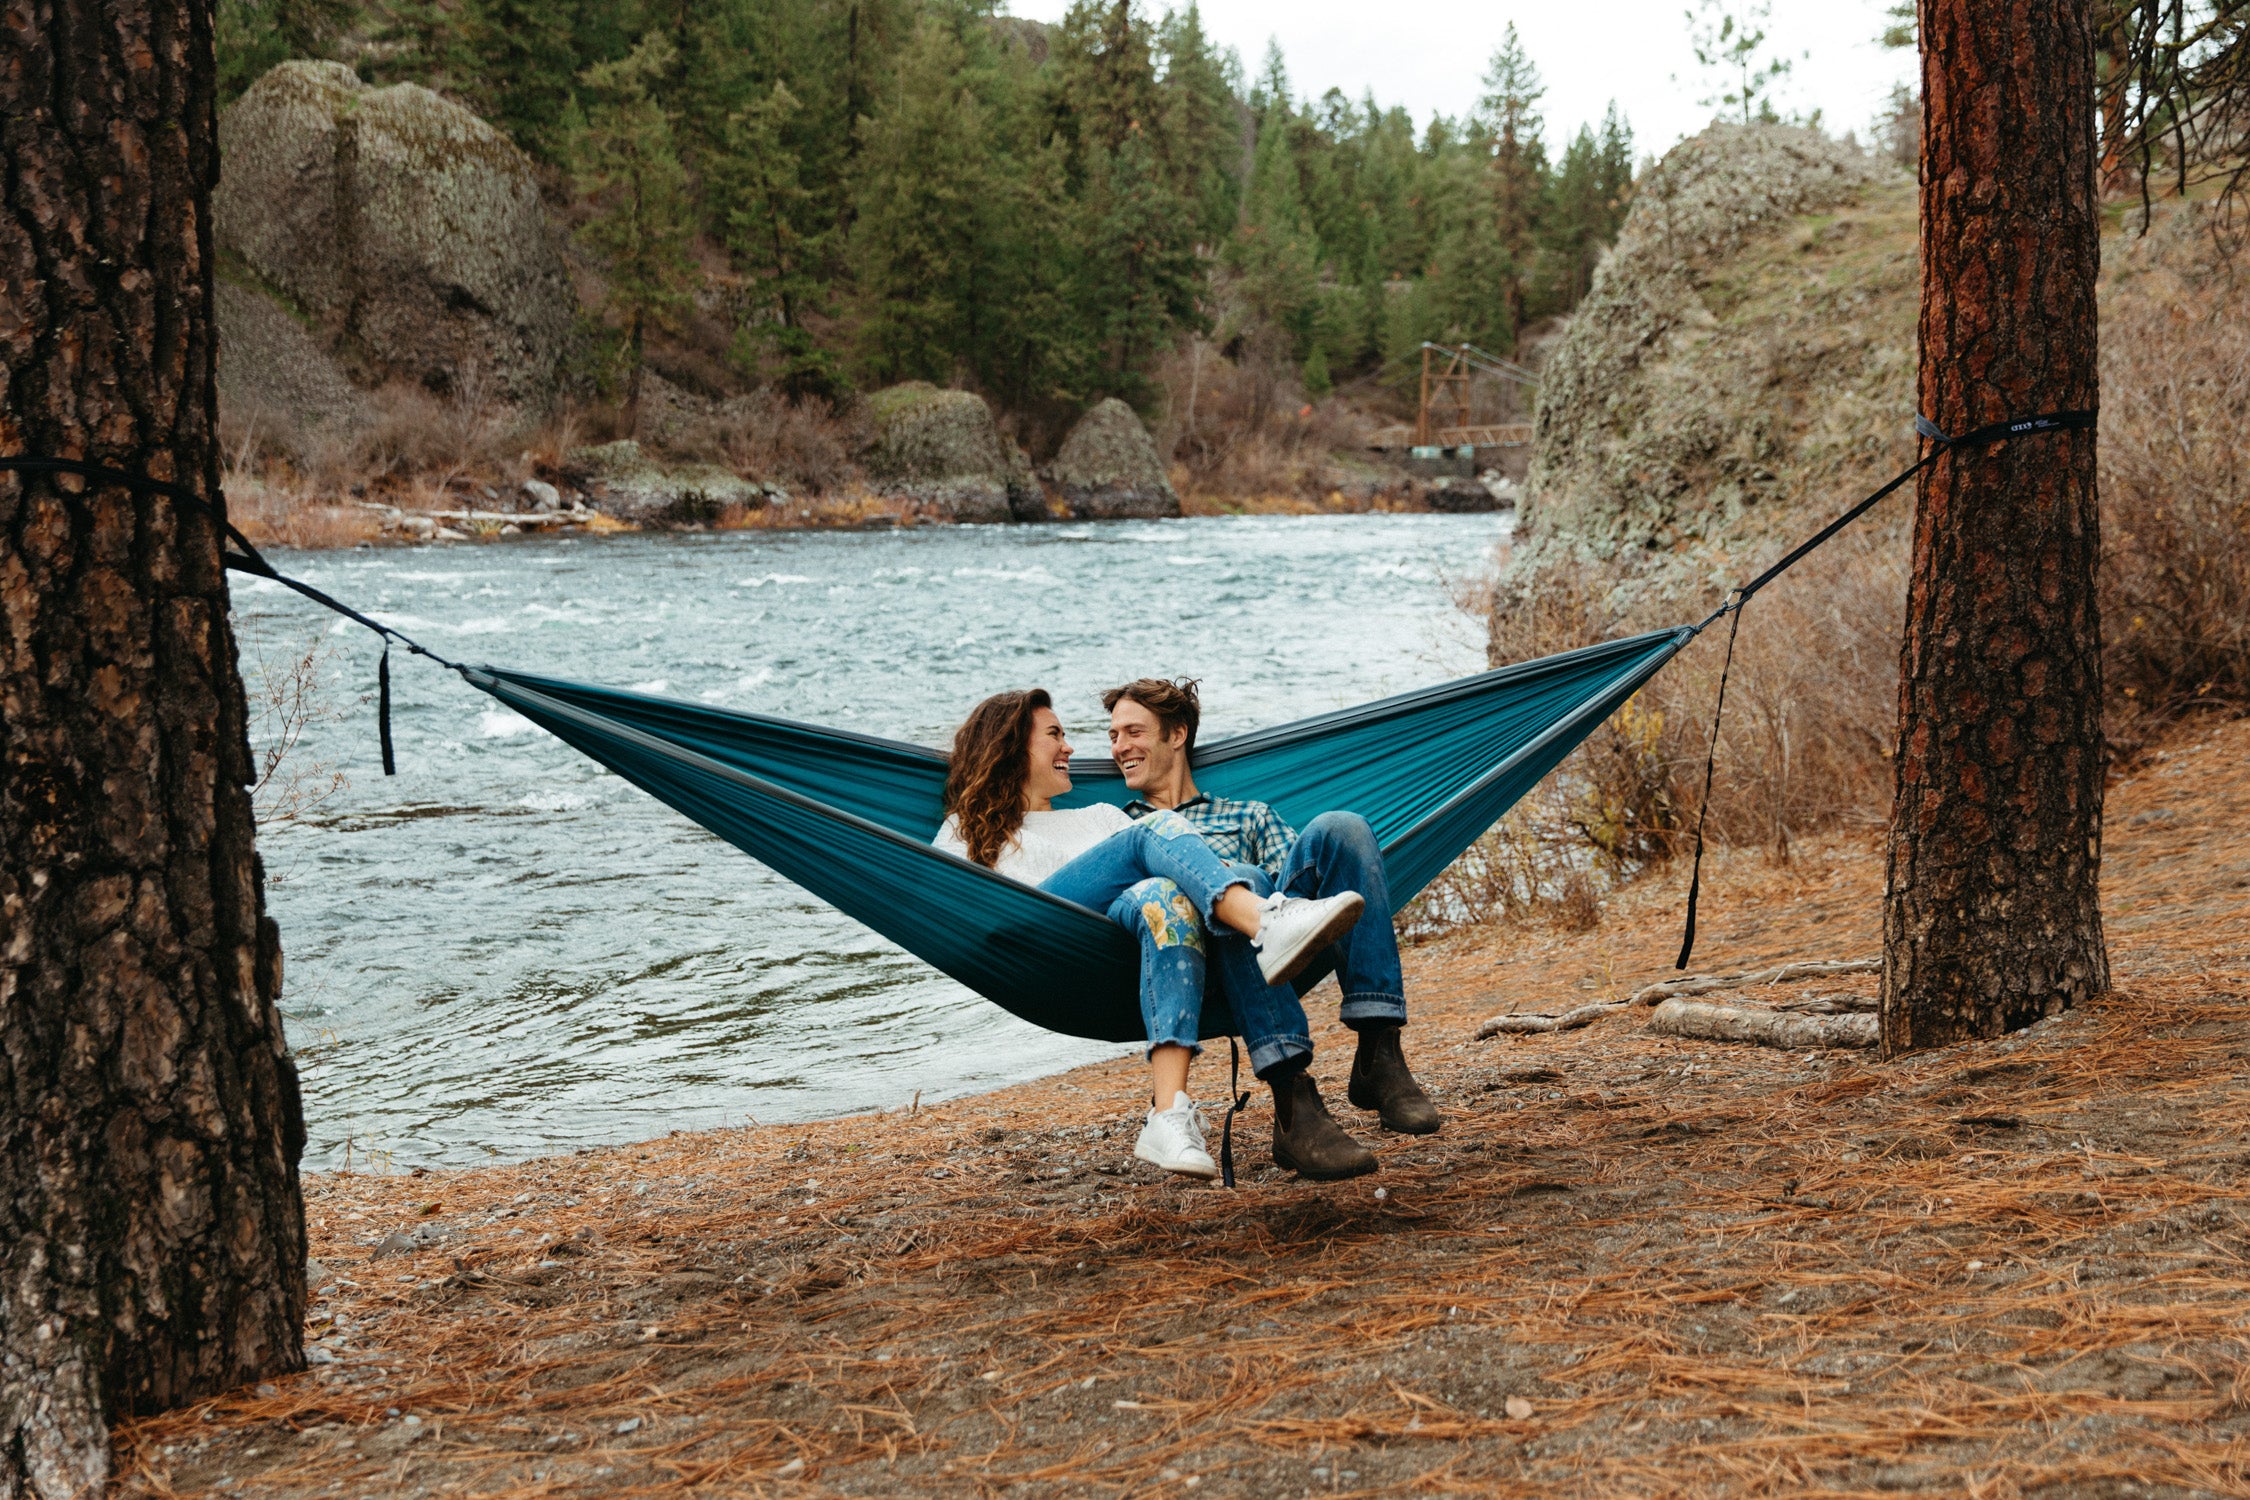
<point x="1152" y="725"/>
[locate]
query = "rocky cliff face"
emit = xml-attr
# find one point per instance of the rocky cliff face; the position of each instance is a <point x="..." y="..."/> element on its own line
<point x="1743" y="363"/>
<point x="1108" y="468"/>
<point x="406" y="230"/>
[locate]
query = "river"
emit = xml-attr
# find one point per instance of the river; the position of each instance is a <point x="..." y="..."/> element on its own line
<point x="506" y="951"/>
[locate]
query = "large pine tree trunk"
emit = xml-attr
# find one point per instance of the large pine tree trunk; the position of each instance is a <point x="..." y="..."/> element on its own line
<point x="1990" y="918"/>
<point x="151" y="1234"/>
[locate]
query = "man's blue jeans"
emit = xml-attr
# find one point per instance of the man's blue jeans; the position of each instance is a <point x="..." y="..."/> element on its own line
<point x="1335" y="852"/>
<point x="1159" y="881"/>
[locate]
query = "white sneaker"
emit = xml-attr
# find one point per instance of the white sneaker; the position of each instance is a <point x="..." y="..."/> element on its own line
<point x="1292" y="930"/>
<point x="1173" y="1139"/>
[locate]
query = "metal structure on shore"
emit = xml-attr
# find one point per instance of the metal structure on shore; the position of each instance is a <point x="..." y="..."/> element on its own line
<point x="1447" y="370"/>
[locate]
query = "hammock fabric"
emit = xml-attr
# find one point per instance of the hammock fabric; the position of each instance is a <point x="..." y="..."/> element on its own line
<point x="849" y="816"/>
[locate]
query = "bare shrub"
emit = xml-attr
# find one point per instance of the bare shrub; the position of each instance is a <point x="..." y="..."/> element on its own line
<point x="286" y="699"/>
<point x="2175" y="483"/>
<point x="1242" y="427"/>
<point x="805" y="446"/>
<point x="416" y="434"/>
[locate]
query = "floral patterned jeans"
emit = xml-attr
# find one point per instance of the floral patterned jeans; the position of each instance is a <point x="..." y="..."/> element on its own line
<point x="1159" y="880"/>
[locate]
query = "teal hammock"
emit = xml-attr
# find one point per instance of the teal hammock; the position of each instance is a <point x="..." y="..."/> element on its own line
<point x="849" y="816"/>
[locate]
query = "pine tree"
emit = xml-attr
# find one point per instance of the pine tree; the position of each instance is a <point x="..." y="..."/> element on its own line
<point x="1204" y="123"/>
<point x="1516" y="177"/>
<point x="1141" y="275"/>
<point x="1587" y="207"/>
<point x="1275" y="249"/>
<point x="150" y="1214"/>
<point x="1992" y="903"/>
<point x="924" y="188"/>
<point x="523" y="59"/>
<point x="624" y="159"/>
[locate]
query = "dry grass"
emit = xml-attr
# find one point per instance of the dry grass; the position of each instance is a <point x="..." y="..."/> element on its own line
<point x="2175" y="482"/>
<point x="1629" y="1265"/>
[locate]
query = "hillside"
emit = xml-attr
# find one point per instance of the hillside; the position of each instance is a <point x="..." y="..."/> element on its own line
<point x="812" y="203"/>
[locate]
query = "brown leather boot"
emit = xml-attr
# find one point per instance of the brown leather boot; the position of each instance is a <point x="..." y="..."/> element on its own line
<point x="1381" y="1082"/>
<point x="1305" y="1139"/>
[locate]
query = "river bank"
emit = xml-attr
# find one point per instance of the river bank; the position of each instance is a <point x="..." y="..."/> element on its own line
<point x="1629" y="1263"/>
<point x="411" y="517"/>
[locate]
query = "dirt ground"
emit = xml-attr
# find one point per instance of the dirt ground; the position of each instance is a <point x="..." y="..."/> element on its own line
<point x="1629" y="1264"/>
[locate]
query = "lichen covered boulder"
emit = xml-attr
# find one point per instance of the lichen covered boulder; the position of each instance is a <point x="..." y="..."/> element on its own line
<point x="277" y="380"/>
<point x="1746" y="351"/>
<point x="408" y="231"/>
<point x="1109" y="469"/>
<point x="939" y="449"/>
<point x="631" y="486"/>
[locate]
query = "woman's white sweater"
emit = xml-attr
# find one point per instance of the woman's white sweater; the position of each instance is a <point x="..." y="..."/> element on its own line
<point x="1047" y="841"/>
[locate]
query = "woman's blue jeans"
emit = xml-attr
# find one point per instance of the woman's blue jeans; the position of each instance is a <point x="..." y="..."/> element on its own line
<point x="1160" y="881"/>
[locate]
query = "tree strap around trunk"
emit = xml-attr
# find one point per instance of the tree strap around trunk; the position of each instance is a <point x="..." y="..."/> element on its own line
<point x="248" y="559"/>
<point x="1996" y="432"/>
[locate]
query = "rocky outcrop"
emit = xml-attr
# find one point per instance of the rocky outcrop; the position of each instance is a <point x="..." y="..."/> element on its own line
<point x="1027" y="497"/>
<point x="278" y="384"/>
<point x="939" y="449"/>
<point x="630" y="486"/>
<point x="406" y="230"/>
<point x="1109" y="469"/>
<point x="1746" y="350"/>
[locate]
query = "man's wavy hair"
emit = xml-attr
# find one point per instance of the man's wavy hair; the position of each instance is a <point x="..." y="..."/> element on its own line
<point x="1175" y="704"/>
<point x="991" y="763"/>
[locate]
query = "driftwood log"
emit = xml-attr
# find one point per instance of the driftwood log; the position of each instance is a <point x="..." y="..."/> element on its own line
<point x="1789" y="1030"/>
<point x="1569" y="1020"/>
<point x="1699" y="984"/>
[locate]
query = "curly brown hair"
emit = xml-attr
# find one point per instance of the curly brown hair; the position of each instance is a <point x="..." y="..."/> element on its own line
<point x="991" y="762"/>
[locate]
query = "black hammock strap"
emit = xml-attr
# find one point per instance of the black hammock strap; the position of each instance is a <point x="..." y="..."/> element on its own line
<point x="248" y="559"/>
<point x="1941" y="443"/>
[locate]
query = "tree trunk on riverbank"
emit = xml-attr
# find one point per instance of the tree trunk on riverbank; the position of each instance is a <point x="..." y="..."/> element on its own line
<point x="152" y="1238"/>
<point x="1991" y="919"/>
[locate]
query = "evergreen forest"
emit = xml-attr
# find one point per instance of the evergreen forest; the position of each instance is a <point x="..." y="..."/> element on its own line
<point x="829" y="195"/>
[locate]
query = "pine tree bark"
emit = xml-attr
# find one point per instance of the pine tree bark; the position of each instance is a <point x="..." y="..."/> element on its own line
<point x="152" y="1237"/>
<point x="1990" y="918"/>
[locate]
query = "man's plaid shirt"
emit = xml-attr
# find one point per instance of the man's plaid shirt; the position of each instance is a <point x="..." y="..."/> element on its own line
<point x="1247" y="833"/>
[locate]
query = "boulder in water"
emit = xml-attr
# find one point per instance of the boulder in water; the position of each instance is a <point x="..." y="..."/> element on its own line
<point x="940" y="449"/>
<point x="1109" y="469"/>
<point x="406" y="231"/>
<point x="1457" y="496"/>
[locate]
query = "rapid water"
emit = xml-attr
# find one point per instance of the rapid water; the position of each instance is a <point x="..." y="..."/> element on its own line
<point x="505" y="950"/>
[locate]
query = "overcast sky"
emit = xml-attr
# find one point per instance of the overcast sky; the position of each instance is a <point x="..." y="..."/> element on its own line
<point x="1429" y="55"/>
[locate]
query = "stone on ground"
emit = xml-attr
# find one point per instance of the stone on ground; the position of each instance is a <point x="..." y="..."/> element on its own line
<point x="939" y="449"/>
<point x="1109" y="469"/>
<point x="405" y="230"/>
<point x="630" y="486"/>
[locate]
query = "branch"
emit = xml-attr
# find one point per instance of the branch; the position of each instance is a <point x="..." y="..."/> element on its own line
<point x="1767" y="1028"/>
